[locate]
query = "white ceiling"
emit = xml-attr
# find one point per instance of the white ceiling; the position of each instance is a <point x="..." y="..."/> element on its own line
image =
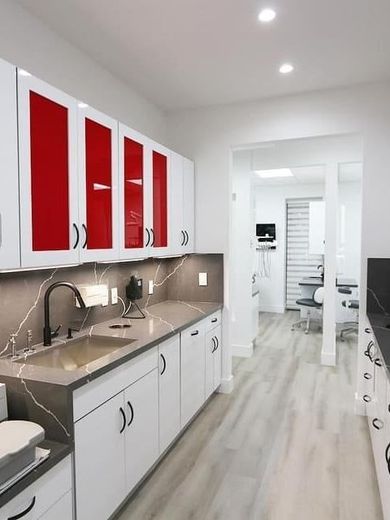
<point x="348" y="172"/>
<point x="187" y="53"/>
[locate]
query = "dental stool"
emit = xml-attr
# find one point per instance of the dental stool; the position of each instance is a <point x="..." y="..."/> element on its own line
<point x="350" y="326"/>
<point x="315" y="302"/>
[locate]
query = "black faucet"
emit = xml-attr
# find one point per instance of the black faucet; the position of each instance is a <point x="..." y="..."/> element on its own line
<point x="48" y="335"/>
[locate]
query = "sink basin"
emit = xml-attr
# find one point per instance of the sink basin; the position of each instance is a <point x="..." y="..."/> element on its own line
<point x="76" y="353"/>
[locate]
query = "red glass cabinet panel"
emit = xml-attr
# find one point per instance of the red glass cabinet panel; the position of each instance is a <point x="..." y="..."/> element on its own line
<point x="49" y="174"/>
<point x="98" y="167"/>
<point x="160" y="200"/>
<point x="134" y="194"/>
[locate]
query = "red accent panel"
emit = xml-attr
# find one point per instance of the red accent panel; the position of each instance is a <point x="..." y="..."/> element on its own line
<point x="99" y="185"/>
<point x="49" y="174"/>
<point x="134" y="194"/>
<point x="160" y="200"/>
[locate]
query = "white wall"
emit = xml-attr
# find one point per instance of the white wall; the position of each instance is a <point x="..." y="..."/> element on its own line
<point x="208" y="135"/>
<point x="29" y="44"/>
<point x="271" y="207"/>
<point x="349" y="240"/>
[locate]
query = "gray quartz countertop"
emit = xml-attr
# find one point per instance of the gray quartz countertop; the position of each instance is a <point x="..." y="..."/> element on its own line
<point x="162" y="321"/>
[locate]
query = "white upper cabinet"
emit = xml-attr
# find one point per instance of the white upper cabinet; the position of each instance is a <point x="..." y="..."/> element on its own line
<point x="9" y="199"/>
<point x="134" y="194"/>
<point x="49" y="220"/>
<point x="182" y="189"/>
<point x="160" y="216"/>
<point x="98" y="186"/>
<point x="189" y="205"/>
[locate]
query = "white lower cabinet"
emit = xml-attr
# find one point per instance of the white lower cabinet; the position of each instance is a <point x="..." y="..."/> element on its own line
<point x="99" y="460"/>
<point x="115" y="445"/>
<point x="128" y="417"/>
<point x="169" y="391"/>
<point x="213" y="360"/>
<point x="192" y="363"/>
<point x="141" y="434"/>
<point x="48" y="498"/>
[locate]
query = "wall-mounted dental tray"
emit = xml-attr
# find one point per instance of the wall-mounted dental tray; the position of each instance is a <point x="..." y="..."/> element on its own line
<point x="18" y="440"/>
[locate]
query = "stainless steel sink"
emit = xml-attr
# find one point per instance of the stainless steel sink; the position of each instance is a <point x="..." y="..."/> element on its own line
<point x="76" y="353"/>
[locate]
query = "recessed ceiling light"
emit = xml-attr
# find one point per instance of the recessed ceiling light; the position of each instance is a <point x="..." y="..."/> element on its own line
<point x="82" y="105"/>
<point x="267" y="15"/>
<point x="23" y="72"/>
<point x="286" y="68"/>
<point x="274" y="174"/>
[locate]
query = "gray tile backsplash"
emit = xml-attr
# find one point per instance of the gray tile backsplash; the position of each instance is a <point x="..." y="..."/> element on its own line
<point x="21" y="294"/>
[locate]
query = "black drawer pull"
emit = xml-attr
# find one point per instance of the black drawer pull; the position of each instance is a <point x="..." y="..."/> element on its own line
<point x="183" y="239"/>
<point x="378" y="362"/>
<point x="77" y="235"/>
<point x="153" y="237"/>
<point x="214" y="344"/>
<point x="148" y="239"/>
<point x="195" y="333"/>
<point x="366" y="375"/>
<point x="124" y="420"/>
<point x="366" y="398"/>
<point x="217" y="340"/>
<point x="165" y="364"/>
<point x="25" y="512"/>
<point x="387" y="456"/>
<point x="86" y="236"/>
<point x="214" y="320"/>
<point x="367" y="330"/>
<point x="377" y="423"/>
<point x="131" y="413"/>
<point x="187" y="238"/>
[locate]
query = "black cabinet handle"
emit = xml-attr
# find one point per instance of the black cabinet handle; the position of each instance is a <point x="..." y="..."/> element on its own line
<point x="131" y="413"/>
<point x="86" y="236"/>
<point x="368" y="353"/>
<point x="183" y="238"/>
<point x="124" y="420"/>
<point x="153" y="237"/>
<point x="25" y="512"/>
<point x="387" y="456"/>
<point x="187" y="238"/>
<point x="195" y="333"/>
<point x="148" y="239"/>
<point x="214" y="320"/>
<point x="377" y="423"/>
<point x="217" y="340"/>
<point x="165" y="364"/>
<point x="378" y="362"/>
<point x="366" y="375"/>
<point x="214" y="344"/>
<point x="77" y="235"/>
<point x="367" y="330"/>
<point x="366" y="398"/>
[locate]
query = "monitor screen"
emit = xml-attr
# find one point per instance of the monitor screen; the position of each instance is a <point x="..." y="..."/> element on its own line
<point x="263" y="230"/>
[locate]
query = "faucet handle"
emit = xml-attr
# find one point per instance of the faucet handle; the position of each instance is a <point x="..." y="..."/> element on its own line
<point x="55" y="333"/>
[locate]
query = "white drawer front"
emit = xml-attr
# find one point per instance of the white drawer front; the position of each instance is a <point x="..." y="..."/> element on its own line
<point x="90" y="396"/>
<point x="213" y="321"/>
<point x="38" y="498"/>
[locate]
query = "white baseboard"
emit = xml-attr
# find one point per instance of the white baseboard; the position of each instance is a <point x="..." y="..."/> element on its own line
<point x="271" y="308"/>
<point x="226" y="386"/>
<point x="245" y="351"/>
<point x="328" y="359"/>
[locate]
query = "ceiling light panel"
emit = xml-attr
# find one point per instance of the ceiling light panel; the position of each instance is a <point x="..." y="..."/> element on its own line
<point x="267" y="15"/>
<point x="274" y="174"/>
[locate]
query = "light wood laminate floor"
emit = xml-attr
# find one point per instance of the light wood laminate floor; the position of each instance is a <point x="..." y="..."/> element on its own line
<point x="285" y="445"/>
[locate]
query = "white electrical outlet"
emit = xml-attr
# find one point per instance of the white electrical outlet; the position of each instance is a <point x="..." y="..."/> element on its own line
<point x="114" y="295"/>
<point x="151" y="287"/>
<point x="202" y="279"/>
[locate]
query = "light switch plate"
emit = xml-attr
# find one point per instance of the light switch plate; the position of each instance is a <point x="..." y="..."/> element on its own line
<point x="114" y="295"/>
<point x="151" y="287"/>
<point x="202" y="279"/>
